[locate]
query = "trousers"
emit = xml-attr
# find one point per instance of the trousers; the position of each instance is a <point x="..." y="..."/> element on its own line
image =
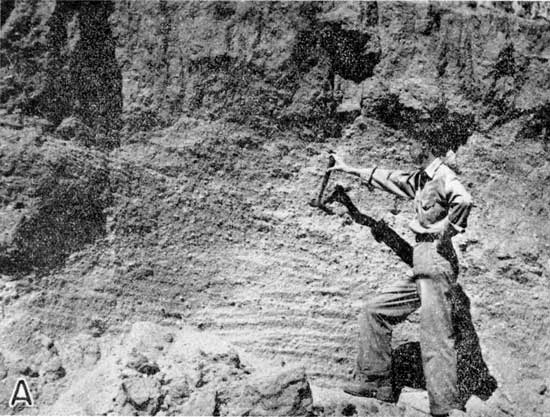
<point x="435" y="271"/>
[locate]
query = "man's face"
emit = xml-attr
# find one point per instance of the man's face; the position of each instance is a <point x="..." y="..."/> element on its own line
<point x="419" y="153"/>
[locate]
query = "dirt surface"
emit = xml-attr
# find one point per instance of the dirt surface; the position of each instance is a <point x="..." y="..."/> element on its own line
<point x="205" y="231"/>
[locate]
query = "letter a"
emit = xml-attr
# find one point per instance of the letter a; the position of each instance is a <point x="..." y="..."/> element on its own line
<point x="21" y="393"/>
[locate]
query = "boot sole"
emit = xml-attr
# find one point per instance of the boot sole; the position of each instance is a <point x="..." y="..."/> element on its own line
<point x="381" y="394"/>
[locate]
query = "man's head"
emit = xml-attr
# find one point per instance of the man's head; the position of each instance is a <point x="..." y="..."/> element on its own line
<point x="419" y="153"/>
<point x="441" y="132"/>
<point x="423" y="150"/>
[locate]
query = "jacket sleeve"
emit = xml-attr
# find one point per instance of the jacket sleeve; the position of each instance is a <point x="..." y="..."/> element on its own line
<point x="460" y="204"/>
<point x="397" y="182"/>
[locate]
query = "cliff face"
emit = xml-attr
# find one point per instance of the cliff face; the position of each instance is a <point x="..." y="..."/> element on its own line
<point x="217" y="118"/>
<point x="270" y="65"/>
<point x="58" y="61"/>
<point x="456" y="66"/>
<point x="308" y="66"/>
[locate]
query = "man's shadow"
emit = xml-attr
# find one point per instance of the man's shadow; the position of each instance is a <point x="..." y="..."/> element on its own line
<point x="472" y="372"/>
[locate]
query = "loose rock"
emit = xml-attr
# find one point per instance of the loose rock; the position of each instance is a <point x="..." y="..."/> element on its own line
<point x="142" y="364"/>
<point x="52" y="369"/>
<point x="179" y="389"/>
<point x="201" y="403"/>
<point x="287" y="394"/>
<point x="143" y="394"/>
<point x="416" y="399"/>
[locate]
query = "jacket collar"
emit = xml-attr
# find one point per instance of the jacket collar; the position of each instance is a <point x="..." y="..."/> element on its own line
<point x="432" y="168"/>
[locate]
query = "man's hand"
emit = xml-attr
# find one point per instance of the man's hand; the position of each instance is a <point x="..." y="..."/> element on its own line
<point x="339" y="165"/>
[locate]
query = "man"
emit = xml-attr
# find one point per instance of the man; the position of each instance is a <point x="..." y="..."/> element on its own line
<point x="442" y="206"/>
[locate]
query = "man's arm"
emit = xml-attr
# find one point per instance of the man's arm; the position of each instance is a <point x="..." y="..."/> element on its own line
<point x="379" y="229"/>
<point x="460" y="204"/>
<point x="396" y="182"/>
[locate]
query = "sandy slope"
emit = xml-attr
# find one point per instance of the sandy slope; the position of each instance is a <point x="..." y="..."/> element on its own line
<point x="215" y="233"/>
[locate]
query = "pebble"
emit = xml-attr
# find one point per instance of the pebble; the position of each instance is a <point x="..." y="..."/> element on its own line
<point x="46" y="341"/>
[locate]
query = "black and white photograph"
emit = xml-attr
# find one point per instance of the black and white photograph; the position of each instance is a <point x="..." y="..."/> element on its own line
<point x="275" y="208"/>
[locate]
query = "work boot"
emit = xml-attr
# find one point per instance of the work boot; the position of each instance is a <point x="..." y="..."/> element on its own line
<point x="375" y="387"/>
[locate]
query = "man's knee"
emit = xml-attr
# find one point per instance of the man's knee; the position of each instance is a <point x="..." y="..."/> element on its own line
<point x="370" y="311"/>
<point x="370" y="307"/>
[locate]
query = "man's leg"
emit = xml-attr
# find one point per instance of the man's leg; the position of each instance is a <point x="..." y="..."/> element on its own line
<point x="385" y="310"/>
<point x="437" y="342"/>
<point x="435" y="276"/>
